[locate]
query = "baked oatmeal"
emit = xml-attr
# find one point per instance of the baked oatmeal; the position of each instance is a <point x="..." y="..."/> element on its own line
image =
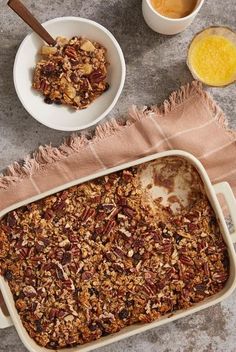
<point x="93" y="259"/>
<point x="73" y="72"/>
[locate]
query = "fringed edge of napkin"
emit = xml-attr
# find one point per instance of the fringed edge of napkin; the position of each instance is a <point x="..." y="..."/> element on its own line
<point x="48" y="154"/>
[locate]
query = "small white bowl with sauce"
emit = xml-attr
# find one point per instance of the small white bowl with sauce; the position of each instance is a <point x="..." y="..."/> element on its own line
<point x="168" y="25"/>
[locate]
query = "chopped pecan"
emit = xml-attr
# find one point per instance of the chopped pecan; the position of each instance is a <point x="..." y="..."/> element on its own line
<point x="70" y="51"/>
<point x="88" y="213"/>
<point x="48" y="214"/>
<point x="119" y="252"/>
<point x="109" y="226"/>
<point x="186" y="260"/>
<point x="87" y="275"/>
<point x="97" y="76"/>
<point x="129" y="212"/>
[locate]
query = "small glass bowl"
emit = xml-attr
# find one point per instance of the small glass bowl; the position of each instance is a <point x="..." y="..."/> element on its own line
<point x="214" y="30"/>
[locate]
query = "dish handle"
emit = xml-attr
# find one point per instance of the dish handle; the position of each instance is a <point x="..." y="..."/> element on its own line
<point x="5" y="320"/>
<point x="225" y="189"/>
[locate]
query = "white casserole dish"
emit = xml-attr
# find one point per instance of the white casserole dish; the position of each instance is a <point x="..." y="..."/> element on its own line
<point x="211" y="190"/>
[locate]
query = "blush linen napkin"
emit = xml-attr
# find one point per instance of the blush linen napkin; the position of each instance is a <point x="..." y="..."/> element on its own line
<point x="189" y="120"/>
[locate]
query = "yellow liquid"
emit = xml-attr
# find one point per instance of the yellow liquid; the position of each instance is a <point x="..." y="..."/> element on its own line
<point x="174" y="8"/>
<point x="213" y="59"/>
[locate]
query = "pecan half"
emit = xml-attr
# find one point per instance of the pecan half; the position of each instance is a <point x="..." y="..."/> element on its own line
<point x="71" y="52"/>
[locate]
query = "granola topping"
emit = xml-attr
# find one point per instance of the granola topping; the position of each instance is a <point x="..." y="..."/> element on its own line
<point x="73" y="73"/>
<point x="89" y="261"/>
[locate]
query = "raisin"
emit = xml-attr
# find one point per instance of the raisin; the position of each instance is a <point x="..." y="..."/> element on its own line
<point x="107" y="321"/>
<point x="66" y="258"/>
<point x="93" y="291"/>
<point x="213" y="221"/>
<point x="21" y="295"/>
<point x="137" y="257"/>
<point x="225" y="261"/>
<point x="200" y="288"/>
<point x="178" y="238"/>
<point x="118" y="268"/>
<point x="8" y="275"/>
<point x="74" y="62"/>
<point x="161" y="225"/>
<point x="11" y="220"/>
<point x="102" y="328"/>
<point x="107" y="87"/>
<point x="48" y="70"/>
<point x="52" y="344"/>
<point x="24" y="209"/>
<point x="166" y="235"/>
<point x="57" y="102"/>
<point x="130" y="303"/>
<point x="38" y="326"/>
<point x="74" y="78"/>
<point x="123" y="314"/>
<point x="48" y="100"/>
<point x="92" y="326"/>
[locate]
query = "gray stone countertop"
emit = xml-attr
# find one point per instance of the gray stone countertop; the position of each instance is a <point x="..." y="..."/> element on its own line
<point x="155" y="67"/>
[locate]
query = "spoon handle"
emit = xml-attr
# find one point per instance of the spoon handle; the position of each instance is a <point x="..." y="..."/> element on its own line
<point x="23" y="12"/>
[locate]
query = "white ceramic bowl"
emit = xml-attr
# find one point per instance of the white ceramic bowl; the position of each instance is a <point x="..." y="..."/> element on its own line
<point x="166" y="25"/>
<point x="62" y="117"/>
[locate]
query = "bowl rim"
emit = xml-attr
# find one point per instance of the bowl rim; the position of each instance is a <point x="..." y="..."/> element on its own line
<point x="118" y="93"/>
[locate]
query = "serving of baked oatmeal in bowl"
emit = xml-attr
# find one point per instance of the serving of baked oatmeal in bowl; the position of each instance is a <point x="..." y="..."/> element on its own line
<point x="73" y="72"/>
<point x="74" y="84"/>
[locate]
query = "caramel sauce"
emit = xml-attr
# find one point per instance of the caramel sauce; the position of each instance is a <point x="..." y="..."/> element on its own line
<point x="174" y="8"/>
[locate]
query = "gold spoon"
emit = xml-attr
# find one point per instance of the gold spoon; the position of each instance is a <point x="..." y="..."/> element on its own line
<point x="27" y="17"/>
